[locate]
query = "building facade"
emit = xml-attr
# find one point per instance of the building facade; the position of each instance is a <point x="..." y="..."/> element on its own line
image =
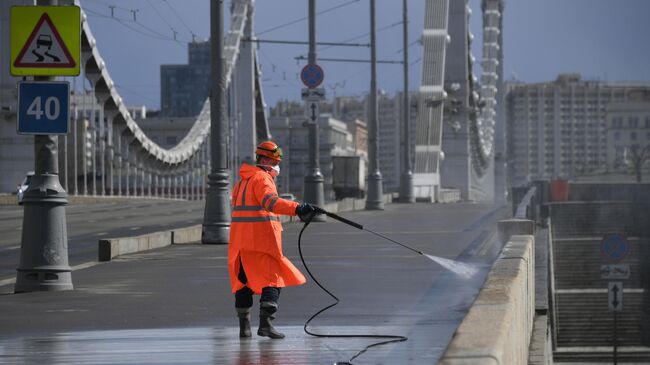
<point x="353" y="112"/>
<point x="628" y="134"/>
<point x="184" y="88"/>
<point x="334" y="140"/>
<point x="560" y="129"/>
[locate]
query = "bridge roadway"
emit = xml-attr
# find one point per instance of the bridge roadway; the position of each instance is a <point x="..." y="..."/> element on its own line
<point x="174" y="306"/>
<point x="87" y="223"/>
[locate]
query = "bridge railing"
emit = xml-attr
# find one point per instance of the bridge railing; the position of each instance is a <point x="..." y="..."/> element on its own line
<point x="499" y="326"/>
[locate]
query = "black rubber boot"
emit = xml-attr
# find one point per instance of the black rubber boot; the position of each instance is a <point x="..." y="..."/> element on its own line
<point x="267" y="314"/>
<point x="244" y="315"/>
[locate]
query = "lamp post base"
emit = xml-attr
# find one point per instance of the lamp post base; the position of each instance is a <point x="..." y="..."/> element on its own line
<point x="315" y="193"/>
<point x="216" y="218"/>
<point x="375" y="198"/>
<point x="406" y="192"/>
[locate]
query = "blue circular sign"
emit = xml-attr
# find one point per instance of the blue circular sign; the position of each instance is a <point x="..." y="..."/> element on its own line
<point x="614" y="246"/>
<point x="312" y="75"/>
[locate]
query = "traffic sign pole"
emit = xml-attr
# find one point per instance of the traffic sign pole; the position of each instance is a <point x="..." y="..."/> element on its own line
<point x="44" y="245"/>
<point x="311" y="77"/>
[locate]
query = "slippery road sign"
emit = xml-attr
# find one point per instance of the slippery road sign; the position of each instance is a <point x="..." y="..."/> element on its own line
<point x="45" y="40"/>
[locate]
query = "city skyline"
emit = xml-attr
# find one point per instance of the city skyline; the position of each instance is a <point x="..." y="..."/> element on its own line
<point x="532" y="48"/>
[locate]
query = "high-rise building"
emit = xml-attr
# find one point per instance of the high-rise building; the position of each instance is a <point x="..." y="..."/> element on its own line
<point x="184" y="88"/>
<point x="559" y="129"/>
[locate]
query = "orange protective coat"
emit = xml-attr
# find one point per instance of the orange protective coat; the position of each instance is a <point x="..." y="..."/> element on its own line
<point x="256" y="233"/>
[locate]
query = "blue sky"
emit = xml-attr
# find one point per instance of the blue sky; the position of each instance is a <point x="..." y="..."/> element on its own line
<point x="601" y="39"/>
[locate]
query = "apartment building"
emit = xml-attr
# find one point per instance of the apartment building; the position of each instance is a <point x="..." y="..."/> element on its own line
<point x="559" y="129"/>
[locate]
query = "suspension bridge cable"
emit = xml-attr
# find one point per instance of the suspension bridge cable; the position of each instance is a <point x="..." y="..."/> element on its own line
<point x="305" y="18"/>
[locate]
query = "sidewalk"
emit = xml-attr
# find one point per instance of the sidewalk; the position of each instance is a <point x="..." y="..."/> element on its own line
<point x="174" y="305"/>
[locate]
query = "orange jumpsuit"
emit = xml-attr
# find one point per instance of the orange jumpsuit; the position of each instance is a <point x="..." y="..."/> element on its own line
<point x="256" y="233"/>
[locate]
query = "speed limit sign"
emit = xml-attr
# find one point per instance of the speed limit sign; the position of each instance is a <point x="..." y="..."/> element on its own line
<point x="43" y="107"/>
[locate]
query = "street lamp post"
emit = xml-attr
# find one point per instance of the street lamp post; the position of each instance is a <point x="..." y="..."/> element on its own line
<point x="44" y="244"/>
<point x="216" y="219"/>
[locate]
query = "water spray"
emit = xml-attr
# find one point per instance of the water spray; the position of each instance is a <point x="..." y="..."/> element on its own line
<point x="464" y="270"/>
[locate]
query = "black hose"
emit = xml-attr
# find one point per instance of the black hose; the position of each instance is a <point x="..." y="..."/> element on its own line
<point x="391" y="338"/>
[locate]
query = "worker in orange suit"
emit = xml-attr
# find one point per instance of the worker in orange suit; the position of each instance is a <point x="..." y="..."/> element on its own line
<point x="255" y="260"/>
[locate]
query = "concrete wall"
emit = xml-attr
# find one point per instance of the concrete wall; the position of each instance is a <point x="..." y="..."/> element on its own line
<point x="609" y="191"/>
<point x="499" y="325"/>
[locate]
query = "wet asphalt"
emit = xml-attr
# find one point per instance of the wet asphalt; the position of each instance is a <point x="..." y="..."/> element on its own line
<point x="174" y="305"/>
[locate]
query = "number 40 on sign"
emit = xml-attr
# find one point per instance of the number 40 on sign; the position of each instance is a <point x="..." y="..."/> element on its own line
<point x="43" y="107"/>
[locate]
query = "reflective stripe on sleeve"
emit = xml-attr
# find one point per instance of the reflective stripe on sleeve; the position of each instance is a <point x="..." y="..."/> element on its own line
<point x="255" y="219"/>
<point x="266" y="198"/>
<point x="272" y="204"/>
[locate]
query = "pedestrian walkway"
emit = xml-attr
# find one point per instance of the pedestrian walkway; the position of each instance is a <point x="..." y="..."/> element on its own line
<point x="174" y="306"/>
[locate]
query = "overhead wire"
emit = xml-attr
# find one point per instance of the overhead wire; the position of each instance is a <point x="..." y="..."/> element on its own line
<point x="162" y="17"/>
<point x="180" y="19"/>
<point x="295" y="21"/>
<point x="125" y="22"/>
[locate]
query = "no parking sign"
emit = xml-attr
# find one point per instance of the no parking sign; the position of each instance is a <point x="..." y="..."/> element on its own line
<point x="614" y="247"/>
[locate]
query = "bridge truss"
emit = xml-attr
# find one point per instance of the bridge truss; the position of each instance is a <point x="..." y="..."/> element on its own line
<point x="455" y="132"/>
<point x="119" y="158"/>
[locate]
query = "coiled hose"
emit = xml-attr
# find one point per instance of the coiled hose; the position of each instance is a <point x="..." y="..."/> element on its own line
<point x="388" y="338"/>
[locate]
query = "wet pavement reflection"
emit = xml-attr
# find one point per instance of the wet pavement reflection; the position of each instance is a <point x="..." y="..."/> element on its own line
<point x="218" y="345"/>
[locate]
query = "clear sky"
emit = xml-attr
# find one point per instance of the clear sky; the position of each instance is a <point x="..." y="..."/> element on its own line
<point x="601" y="39"/>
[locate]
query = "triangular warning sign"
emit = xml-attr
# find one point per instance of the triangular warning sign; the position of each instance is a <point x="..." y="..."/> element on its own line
<point x="44" y="48"/>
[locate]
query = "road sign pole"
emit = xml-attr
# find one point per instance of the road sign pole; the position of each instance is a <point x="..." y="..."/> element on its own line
<point x="615" y="337"/>
<point x="313" y="183"/>
<point x="406" y="193"/>
<point x="375" y="196"/>
<point x="44" y="245"/>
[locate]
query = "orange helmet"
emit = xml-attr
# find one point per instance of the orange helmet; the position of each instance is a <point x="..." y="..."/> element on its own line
<point x="269" y="149"/>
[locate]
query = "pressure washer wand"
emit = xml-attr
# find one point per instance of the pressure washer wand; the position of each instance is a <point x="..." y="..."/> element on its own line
<point x="359" y="226"/>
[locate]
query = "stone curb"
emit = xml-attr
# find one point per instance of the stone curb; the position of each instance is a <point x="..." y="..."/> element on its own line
<point x="110" y="248"/>
<point x="77" y="199"/>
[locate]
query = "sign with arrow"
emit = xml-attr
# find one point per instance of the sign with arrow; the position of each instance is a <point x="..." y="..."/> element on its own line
<point x="615" y="297"/>
<point x="313" y="111"/>
<point x="45" y="40"/>
<point x="312" y="98"/>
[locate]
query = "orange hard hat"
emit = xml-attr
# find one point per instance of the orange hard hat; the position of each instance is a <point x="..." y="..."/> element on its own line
<point x="269" y="149"/>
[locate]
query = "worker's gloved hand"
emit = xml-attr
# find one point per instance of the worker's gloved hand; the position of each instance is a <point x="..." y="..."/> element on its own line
<point x="306" y="211"/>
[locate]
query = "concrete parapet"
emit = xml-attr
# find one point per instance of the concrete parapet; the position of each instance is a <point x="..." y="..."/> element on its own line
<point x="509" y="227"/>
<point x="499" y="325"/>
